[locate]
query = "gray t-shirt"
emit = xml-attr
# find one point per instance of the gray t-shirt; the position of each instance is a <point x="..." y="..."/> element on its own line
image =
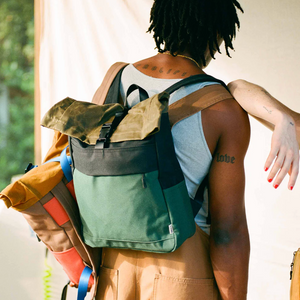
<point x="190" y="145"/>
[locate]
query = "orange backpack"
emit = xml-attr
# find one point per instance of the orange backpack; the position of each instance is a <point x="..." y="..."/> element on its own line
<point x="45" y="196"/>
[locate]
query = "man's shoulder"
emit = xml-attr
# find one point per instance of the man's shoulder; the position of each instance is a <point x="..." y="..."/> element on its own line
<point x="235" y="126"/>
<point x="230" y="110"/>
<point x="230" y="120"/>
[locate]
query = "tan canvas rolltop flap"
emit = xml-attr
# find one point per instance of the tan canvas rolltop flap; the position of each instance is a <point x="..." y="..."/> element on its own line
<point x="84" y="120"/>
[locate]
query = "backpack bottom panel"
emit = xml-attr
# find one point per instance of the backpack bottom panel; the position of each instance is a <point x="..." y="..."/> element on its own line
<point x="127" y="211"/>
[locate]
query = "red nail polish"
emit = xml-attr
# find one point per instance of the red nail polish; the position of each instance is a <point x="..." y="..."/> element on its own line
<point x="270" y="180"/>
<point x="276" y="186"/>
<point x="291" y="188"/>
<point x="266" y="169"/>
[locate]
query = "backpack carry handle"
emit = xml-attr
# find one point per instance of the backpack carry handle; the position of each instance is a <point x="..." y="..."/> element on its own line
<point x="143" y="94"/>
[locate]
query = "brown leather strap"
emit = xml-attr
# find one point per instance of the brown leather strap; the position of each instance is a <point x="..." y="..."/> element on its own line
<point x="100" y="94"/>
<point x="196" y="102"/>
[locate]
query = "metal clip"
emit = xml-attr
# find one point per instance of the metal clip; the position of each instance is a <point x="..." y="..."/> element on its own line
<point x="30" y="167"/>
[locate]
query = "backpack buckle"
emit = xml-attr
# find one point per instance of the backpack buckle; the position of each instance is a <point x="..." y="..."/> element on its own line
<point x="104" y="131"/>
<point x="104" y="136"/>
<point x="108" y="129"/>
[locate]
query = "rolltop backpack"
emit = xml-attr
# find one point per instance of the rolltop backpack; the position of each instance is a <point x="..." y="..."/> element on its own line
<point x="128" y="183"/>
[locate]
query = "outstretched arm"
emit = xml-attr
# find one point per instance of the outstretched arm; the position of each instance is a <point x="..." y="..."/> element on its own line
<point x="276" y="116"/>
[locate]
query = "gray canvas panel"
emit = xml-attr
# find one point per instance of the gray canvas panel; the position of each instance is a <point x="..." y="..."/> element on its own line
<point x="170" y="173"/>
<point x="122" y="158"/>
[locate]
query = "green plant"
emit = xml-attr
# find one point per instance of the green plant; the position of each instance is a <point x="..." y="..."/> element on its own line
<point x="17" y="74"/>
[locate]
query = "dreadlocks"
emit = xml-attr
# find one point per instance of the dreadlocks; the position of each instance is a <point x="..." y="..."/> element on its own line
<point x="193" y="25"/>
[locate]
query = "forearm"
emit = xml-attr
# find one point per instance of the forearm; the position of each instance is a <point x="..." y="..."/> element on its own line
<point x="230" y="260"/>
<point x="259" y="103"/>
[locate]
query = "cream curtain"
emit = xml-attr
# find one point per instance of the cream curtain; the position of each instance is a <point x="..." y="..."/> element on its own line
<point x="79" y="40"/>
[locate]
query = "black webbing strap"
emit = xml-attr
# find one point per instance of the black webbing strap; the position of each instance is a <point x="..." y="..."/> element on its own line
<point x="197" y="202"/>
<point x="194" y="79"/>
<point x="64" y="292"/>
<point x="112" y="97"/>
<point x="108" y="129"/>
<point x="114" y="90"/>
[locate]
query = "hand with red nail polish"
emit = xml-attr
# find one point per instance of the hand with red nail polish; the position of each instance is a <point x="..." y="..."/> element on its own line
<point x="284" y="154"/>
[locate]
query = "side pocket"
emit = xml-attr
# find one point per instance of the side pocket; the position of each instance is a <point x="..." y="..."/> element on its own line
<point x="183" y="288"/>
<point x="108" y="284"/>
<point x="72" y="264"/>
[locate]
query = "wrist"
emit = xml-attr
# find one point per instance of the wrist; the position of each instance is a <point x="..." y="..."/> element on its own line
<point x="283" y="119"/>
<point x="278" y="117"/>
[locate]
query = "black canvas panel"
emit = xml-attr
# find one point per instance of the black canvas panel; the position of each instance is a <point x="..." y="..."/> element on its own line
<point x="194" y="79"/>
<point x="132" y="157"/>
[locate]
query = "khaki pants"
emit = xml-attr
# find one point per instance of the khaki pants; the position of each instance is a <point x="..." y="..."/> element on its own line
<point x="185" y="274"/>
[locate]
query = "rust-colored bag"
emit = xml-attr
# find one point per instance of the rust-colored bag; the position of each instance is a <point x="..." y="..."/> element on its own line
<point x="45" y="196"/>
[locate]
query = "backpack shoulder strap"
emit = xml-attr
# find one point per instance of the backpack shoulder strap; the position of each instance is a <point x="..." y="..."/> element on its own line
<point x="197" y="101"/>
<point x="100" y="94"/>
<point x="190" y="105"/>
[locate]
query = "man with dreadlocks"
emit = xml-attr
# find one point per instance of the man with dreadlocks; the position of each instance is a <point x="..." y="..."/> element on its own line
<point x="213" y="264"/>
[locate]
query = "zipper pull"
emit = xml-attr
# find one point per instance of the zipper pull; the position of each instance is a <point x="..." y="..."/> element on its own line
<point x="144" y="181"/>
<point x="292" y="265"/>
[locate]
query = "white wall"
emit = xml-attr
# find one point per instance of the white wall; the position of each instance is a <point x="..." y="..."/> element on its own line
<point x="267" y="48"/>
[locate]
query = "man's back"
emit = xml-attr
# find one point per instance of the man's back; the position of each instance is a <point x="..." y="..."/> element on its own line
<point x="227" y="132"/>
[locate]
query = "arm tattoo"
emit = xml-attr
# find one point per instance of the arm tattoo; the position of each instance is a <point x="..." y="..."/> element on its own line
<point x="225" y="158"/>
<point x="269" y="111"/>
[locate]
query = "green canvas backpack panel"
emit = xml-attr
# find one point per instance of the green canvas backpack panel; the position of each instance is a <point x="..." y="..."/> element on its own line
<point x="129" y="185"/>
